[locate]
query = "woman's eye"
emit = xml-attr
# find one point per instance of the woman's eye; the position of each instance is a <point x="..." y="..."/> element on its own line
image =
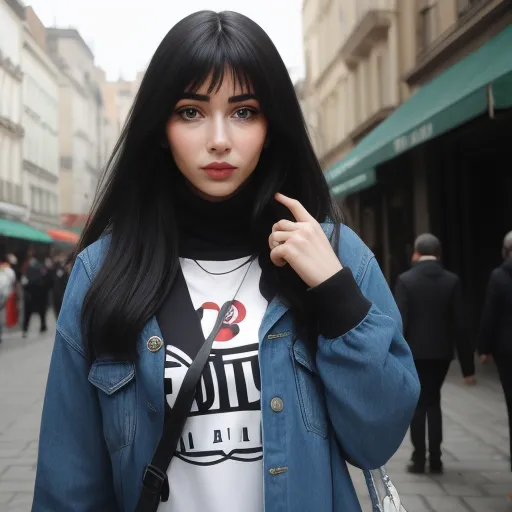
<point x="245" y="113"/>
<point x="189" y="114"/>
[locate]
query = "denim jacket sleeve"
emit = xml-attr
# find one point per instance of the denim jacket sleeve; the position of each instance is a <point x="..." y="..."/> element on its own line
<point x="73" y="469"/>
<point x="370" y="379"/>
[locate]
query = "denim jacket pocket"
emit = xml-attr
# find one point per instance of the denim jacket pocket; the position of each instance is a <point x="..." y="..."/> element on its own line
<point x="310" y="390"/>
<point x="115" y="381"/>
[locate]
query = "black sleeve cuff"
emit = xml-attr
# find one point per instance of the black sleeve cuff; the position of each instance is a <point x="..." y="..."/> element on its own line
<point x="338" y="304"/>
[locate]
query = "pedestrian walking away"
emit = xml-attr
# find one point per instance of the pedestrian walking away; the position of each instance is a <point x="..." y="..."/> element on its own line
<point x="225" y="342"/>
<point x="35" y="292"/>
<point x="495" y="337"/>
<point x="432" y="308"/>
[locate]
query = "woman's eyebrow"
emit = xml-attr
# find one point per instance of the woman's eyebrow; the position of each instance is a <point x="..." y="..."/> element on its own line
<point x="194" y="96"/>
<point x="241" y="97"/>
<point x="204" y="97"/>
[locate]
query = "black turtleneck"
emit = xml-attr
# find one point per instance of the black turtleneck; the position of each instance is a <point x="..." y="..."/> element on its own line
<point x="214" y="230"/>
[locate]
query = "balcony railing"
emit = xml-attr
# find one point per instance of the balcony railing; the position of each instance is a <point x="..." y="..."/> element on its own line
<point x="364" y="7"/>
<point x="373" y="19"/>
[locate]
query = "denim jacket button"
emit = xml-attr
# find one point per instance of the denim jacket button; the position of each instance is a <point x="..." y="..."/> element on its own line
<point x="154" y="344"/>
<point x="277" y="404"/>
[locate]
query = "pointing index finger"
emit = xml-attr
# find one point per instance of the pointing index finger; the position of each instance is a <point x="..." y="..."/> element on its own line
<point x="298" y="211"/>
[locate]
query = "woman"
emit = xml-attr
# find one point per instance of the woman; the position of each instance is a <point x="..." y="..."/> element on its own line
<point x="213" y="194"/>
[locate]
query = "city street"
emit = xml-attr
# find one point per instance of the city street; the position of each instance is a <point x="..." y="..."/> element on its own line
<point x="477" y="478"/>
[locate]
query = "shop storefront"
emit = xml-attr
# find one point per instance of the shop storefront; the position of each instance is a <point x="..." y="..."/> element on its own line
<point x="18" y="238"/>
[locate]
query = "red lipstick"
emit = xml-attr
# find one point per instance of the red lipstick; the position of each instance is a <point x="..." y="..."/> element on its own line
<point x="219" y="170"/>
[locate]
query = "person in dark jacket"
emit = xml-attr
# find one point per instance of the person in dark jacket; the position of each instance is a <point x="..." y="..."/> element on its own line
<point x="35" y="291"/>
<point x="432" y="307"/>
<point x="495" y="337"/>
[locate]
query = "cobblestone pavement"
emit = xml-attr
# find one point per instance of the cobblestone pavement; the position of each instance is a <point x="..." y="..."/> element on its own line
<point x="475" y="453"/>
<point x="477" y="477"/>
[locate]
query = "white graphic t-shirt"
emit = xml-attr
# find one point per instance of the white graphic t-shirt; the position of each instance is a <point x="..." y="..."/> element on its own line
<point x="218" y="466"/>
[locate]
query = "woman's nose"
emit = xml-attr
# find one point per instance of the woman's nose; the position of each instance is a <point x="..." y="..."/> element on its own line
<point x="219" y="141"/>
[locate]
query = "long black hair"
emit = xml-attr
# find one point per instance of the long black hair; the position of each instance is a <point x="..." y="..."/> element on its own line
<point x="134" y="204"/>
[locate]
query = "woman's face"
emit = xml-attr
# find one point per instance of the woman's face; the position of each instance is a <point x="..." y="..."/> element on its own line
<point x="216" y="139"/>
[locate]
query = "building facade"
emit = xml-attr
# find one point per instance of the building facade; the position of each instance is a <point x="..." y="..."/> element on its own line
<point x="12" y="16"/>
<point x="81" y="120"/>
<point x="448" y="30"/>
<point x="353" y="68"/>
<point x="41" y="124"/>
<point x="119" y="97"/>
<point x="110" y="133"/>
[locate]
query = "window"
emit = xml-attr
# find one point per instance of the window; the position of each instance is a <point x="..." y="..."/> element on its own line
<point x="364" y="90"/>
<point x="381" y="81"/>
<point x="8" y="188"/>
<point x="428" y="25"/>
<point x="357" y="96"/>
<point x="37" y="202"/>
<point x="347" y="107"/>
<point x="371" y="82"/>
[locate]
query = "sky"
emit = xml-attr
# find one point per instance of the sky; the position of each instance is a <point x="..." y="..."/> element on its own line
<point x="124" y="34"/>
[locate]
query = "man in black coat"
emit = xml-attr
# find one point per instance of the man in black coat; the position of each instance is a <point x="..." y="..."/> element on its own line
<point x="35" y="282"/>
<point x="495" y="337"/>
<point x="432" y="308"/>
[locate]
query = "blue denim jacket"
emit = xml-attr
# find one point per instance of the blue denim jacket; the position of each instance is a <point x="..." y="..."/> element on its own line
<point x="101" y="424"/>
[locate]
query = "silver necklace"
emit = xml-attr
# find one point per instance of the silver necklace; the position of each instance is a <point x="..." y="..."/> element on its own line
<point x="250" y="260"/>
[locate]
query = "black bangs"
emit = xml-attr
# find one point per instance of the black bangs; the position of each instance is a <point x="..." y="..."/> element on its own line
<point x="216" y="76"/>
<point x="216" y="53"/>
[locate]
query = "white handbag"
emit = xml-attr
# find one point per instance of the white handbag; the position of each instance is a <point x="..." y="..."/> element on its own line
<point x="383" y="493"/>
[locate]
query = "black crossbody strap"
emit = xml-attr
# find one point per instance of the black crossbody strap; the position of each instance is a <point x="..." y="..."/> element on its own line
<point x="155" y="487"/>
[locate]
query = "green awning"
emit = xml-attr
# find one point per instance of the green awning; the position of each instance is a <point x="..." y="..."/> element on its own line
<point x="469" y="88"/>
<point x="12" y="229"/>
<point x="363" y="180"/>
